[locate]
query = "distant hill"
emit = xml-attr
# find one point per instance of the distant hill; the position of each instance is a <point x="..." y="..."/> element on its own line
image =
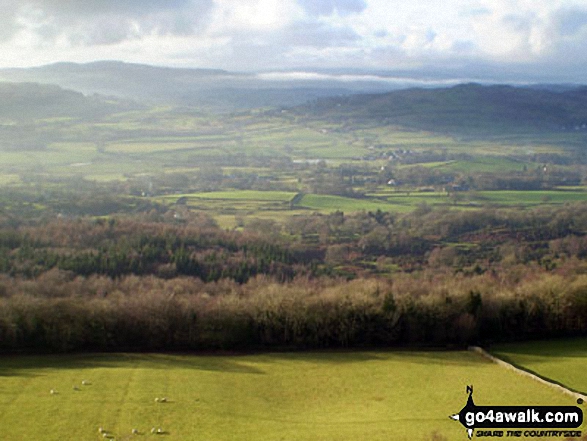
<point x="467" y="108"/>
<point x="30" y="101"/>
<point x="26" y="107"/>
<point x="205" y="88"/>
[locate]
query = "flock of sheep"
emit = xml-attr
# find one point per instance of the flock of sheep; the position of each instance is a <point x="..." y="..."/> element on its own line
<point x="105" y="433"/>
<point x="108" y="435"/>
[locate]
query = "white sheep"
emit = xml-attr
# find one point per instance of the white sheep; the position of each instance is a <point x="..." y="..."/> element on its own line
<point x="101" y="430"/>
<point x="85" y="383"/>
<point x="156" y="400"/>
<point x="164" y="400"/>
<point x="135" y="431"/>
<point x="153" y="430"/>
<point x="52" y="391"/>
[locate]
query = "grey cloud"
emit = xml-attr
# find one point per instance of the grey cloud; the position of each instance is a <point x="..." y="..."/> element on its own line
<point x="518" y="22"/>
<point x="91" y="22"/>
<point x="105" y="30"/>
<point x="8" y="15"/>
<point x="463" y="47"/>
<point x="262" y="49"/>
<point x="430" y="35"/>
<point x="135" y="8"/>
<point x="569" y="22"/>
<point x="318" y="8"/>
<point x="318" y="34"/>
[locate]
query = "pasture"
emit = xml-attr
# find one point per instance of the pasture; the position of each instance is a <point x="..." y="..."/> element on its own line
<point x="402" y="395"/>
<point x="562" y="361"/>
<point x="330" y="203"/>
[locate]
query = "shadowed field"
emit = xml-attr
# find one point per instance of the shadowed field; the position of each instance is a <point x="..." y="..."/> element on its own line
<point x="562" y="361"/>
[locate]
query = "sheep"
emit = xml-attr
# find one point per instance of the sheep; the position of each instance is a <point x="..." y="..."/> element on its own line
<point x="135" y="431"/>
<point x="156" y="400"/>
<point x="164" y="400"/>
<point x="75" y="388"/>
<point x="85" y="382"/>
<point x="153" y="430"/>
<point x="101" y="430"/>
<point x="160" y="431"/>
<point x="53" y="392"/>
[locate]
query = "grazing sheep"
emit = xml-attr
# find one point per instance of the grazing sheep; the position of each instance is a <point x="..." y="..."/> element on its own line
<point x="164" y="400"/>
<point x="160" y="431"/>
<point x="153" y="430"/>
<point x="135" y="431"/>
<point x="156" y="400"/>
<point x="52" y="391"/>
<point x="85" y="383"/>
<point x="101" y="430"/>
<point x="75" y="388"/>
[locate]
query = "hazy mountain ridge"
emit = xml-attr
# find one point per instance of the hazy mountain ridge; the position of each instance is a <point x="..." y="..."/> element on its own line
<point x="466" y="108"/>
<point x="213" y="89"/>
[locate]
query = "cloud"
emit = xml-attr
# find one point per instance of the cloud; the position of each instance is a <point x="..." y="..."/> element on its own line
<point x="475" y="12"/>
<point x="8" y="23"/>
<point x="463" y="47"/>
<point x="97" y="22"/>
<point x="569" y="22"/>
<point x="317" y="8"/>
<point x="302" y="42"/>
<point x="531" y="35"/>
<point x="129" y="8"/>
<point x="318" y="34"/>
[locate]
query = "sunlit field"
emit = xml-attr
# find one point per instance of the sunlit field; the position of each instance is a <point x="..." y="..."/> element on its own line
<point x="295" y="396"/>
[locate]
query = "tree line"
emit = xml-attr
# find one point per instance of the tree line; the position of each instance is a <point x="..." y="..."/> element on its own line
<point x="436" y="277"/>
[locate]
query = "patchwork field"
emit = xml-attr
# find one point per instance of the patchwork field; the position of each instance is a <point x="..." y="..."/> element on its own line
<point x="295" y="396"/>
<point x="264" y="204"/>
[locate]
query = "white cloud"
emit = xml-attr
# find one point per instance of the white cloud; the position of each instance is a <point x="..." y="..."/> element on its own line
<point x="236" y="16"/>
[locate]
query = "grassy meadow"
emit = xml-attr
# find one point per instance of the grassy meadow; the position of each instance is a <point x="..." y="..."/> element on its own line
<point x="281" y="396"/>
<point x="562" y="361"/>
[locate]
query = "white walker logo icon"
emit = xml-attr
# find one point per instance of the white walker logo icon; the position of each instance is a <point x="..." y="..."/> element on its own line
<point x="518" y="417"/>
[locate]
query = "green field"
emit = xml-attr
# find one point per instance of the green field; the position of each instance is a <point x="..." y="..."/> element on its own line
<point x="531" y="197"/>
<point x="329" y="203"/>
<point x="484" y="164"/>
<point x="563" y="361"/>
<point x="294" y="396"/>
<point x="252" y="195"/>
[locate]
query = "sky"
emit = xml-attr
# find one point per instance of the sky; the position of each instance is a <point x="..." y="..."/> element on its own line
<point x="521" y="38"/>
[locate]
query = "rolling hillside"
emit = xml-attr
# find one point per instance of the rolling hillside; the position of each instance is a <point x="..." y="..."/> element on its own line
<point x="30" y="101"/>
<point x="467" y="109"/>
